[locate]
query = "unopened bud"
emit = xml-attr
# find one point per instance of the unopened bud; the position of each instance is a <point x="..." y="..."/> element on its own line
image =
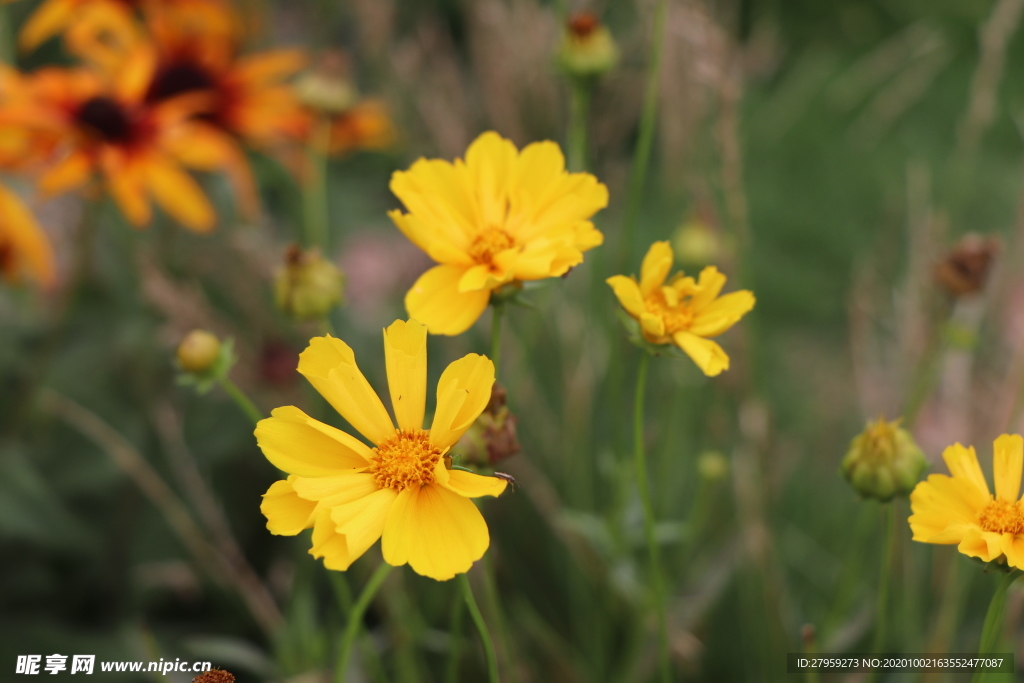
<point x="198" y="352"/>
<point x="492" y="438"/>
<point x="587" y="49"/>
<point x="883" y="461"/>
<point x="308" y="286"/>
<point x="327" y="86"/>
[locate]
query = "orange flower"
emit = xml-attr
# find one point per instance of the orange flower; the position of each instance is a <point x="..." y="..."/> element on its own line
<point x="364" y="126"/>
<point x="245" y="98"/>
<point x="92" y="23"/>
<point x="107" y="128"/>
<point x="24" y="248"/>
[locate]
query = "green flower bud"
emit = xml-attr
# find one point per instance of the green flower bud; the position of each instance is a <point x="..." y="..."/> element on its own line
<point x="198" y="351"/>
<point x="308" y="286"/>
<point x="883" y="461"/>
<point x="587" y="49"/>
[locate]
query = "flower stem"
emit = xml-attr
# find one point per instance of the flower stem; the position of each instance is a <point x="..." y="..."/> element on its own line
<point x="579" y="107"/>
<point x="645" y="138"/>
<point x="884" y="581"/>
<point x="640" y="461"/>
<point x="994" y="620"/>
<point x="481" y="627"/>
<point x="497" y="312"/>
<point x="243" y="401"/>
<point x="314" y="191"/>
<point x="355" y="619"/>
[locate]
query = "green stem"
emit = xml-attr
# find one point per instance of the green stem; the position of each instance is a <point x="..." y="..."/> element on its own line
<point x="455" y="633"/>
<point x="579" y="107"/>
<point x="243" y="401"/>
<point x="481" y="627"/>
<point x="994" y="620"/>
<point x="884" y="583"/>
<point x="640" y="461"/>
<point x="355" y="619"/>
<point x="314" y="191"/>
<point x="645" y="138"/>
<point x="497" y="312"/>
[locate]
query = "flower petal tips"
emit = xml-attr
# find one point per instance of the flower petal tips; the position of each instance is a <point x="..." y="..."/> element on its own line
<point x="500" y="216"/>
<point x="400" y="489"/>
<point x="680" y="310"/>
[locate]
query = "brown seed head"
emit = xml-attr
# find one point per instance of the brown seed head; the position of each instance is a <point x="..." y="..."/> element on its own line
<point x="215" y="676"/>
<point x="964" y="270"/>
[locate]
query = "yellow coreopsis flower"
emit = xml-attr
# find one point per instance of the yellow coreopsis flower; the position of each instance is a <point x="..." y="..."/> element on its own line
<point x="24" y="248"/>
<point x="500" y="216"/>
<point x="961" y="510"/>
<point x="683" y="311"/>
<point x="401" y="488"/>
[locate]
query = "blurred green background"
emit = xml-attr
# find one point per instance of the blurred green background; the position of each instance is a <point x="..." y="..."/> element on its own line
<point x="835" y="151"/>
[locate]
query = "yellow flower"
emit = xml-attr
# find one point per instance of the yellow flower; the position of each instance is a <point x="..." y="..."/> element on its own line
<point x="500" y="216"/>
<point x="23" y="245"/>
<point x="960" y="509"/>
<point x="400" y="489"/>
<point x="684" y="312"/>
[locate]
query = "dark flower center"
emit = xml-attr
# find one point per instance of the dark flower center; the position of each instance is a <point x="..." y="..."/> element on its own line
<point x="178" y="78"/>
<point x="106" y="118"/>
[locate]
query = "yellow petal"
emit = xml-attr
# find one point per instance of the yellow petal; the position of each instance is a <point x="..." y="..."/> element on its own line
<point x="963" y="464"/>
<point x="434" y="192"/>
<point x="985" y="545"/>
<point x="655" y="267"/>
<point x="435" y="300"/>
<point x="490" y="160"/>
<point x="179" y="195"/>
<point x="436" y="531"/>
<point x="482" y="277"/>
<point x="944" y="509"/>
<point x="330" y="366"/>
<point x="286" y="513"/>
<point x="336" y="489"/>
<point x="708" y="355"/>
<point x="709" y="285"/>
<point x="652" y="325"/>
<point x="468" y="484"/>
<point x="445" y="245"/>
<point x="1013" y="548"/>
<point x="1007" y="464"/>
<point x="628" y="293"/>
<point x="361" y="523"/>
<point x="722" y="313"/>
<point x="296" y="443"/>
<point x="328" y="543"/>
<point x="405" y="355"/>
<point x="462" y="394"/>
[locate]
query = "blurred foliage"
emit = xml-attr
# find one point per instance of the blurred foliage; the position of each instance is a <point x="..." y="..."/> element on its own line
<point x="840" y="102"/>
